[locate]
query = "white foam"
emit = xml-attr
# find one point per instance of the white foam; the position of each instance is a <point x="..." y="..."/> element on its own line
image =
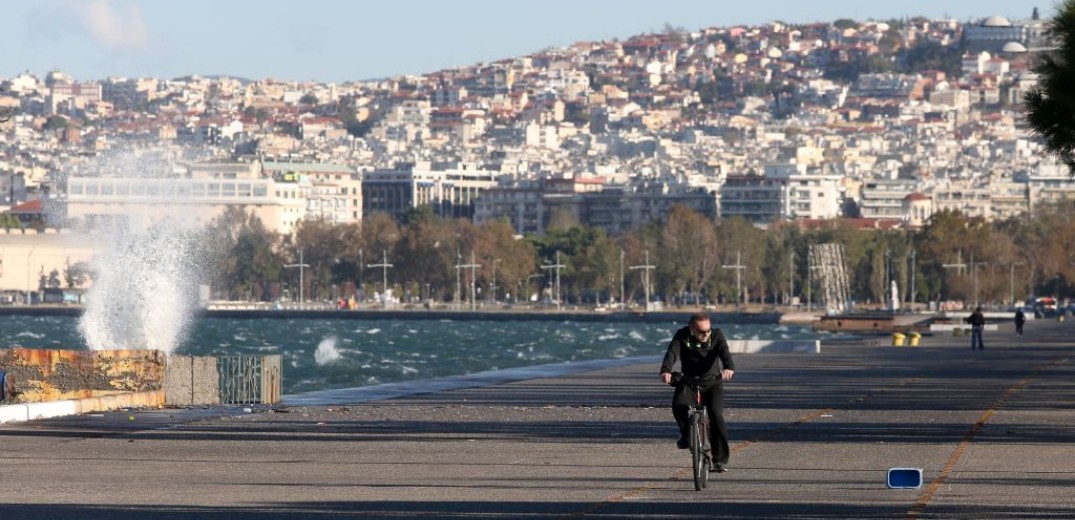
<point x="326" y="351"/>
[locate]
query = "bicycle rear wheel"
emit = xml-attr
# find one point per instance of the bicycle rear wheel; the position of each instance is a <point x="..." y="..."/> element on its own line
<point x="701" y="472"/>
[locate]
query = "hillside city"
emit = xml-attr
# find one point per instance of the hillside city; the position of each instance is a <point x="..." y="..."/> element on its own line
<point x="882" y="122"/>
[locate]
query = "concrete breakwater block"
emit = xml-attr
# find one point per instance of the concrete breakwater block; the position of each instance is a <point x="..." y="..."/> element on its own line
<point x="47" y="375"/>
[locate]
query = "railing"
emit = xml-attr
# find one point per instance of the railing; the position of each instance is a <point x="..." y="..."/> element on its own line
<point x="250" y="379"/>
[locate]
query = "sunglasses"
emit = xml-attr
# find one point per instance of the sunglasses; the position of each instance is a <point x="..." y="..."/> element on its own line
<point x="701" y="332"/>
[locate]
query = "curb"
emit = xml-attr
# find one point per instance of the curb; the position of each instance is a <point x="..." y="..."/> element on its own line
<point x="31" y="411"/>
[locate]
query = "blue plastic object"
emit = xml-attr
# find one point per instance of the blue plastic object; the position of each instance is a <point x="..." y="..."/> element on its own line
<point x="904" y="478"/>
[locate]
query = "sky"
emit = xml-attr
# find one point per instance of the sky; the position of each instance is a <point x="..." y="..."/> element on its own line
<point x="353" y="40"/>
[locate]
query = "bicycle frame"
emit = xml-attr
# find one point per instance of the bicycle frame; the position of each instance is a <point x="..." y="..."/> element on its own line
<point x="698" y="431"/>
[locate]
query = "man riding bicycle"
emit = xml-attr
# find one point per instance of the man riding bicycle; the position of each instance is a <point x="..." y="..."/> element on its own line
<point x="701" y="350"/>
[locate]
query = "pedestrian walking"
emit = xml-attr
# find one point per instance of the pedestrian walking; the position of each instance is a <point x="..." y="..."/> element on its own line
<point x="977" y="324"/>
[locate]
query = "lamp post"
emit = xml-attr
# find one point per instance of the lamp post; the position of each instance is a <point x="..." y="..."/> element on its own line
<point x="495" y="261"/>
<point x="646" y="268"/>
<point x="384" y="265"/>
<point x="300" y="265"/>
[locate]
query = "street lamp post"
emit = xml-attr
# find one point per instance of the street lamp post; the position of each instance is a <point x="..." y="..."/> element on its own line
<point x="384" y="265"/>
<point x="646" y="268"/>
<point x="495" y="261"/>
<point x="300" y="265"/>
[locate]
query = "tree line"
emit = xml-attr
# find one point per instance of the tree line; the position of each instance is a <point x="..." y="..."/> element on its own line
<point x="688" y="259"/>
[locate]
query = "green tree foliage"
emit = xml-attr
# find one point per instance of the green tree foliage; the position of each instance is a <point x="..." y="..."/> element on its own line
<point x="845" y="23"/>
<point x="56" y="122"/>
<point x="1013" y="258"/>
<point x="1050" y="105"/>
<point x="929" y="55"/>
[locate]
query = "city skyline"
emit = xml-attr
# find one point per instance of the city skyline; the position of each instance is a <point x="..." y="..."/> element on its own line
<point x="329" y="41"/>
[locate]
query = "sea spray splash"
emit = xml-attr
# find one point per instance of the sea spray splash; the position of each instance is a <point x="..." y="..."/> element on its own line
<point x="144" y="292"/>
<point x="326" y="351"/>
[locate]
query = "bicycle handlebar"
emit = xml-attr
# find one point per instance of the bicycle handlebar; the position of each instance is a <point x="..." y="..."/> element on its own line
<point x="678" y="379"/>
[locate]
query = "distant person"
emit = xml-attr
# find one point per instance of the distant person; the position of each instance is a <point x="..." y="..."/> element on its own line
<point x="701" y="350"/>
<point x="1020" y="319"/>
<point x="977" y="323"/>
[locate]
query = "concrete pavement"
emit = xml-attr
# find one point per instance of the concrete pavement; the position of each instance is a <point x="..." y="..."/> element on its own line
<point x="812" y="437"/>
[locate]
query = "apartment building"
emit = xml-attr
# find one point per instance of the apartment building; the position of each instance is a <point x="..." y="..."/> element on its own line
<point x="205" y="193"/>
<point x="450" y="191"/>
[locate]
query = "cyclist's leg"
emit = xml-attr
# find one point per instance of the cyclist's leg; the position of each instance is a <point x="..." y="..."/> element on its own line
<point x="681" y="402"/>
<point x="718" y="431"/>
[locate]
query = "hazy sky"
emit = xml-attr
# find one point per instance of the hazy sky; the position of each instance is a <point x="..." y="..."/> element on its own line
<point x="342" y="40"/>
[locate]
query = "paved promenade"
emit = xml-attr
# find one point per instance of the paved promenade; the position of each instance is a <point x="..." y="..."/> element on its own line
<point x="812" y="437"/>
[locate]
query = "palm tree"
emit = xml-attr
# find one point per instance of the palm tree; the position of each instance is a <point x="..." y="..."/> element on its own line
<point x="1050" y="107"/>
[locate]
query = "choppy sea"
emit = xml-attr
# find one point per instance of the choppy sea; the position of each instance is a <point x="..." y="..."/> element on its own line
<point x="322" y="354"/>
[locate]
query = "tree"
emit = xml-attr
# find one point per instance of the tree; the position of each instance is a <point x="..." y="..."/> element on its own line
<point x="845" y="23"/>
<point x="308" y="99"/>
<point x="1050" y="105"/>
<point x="56" y="122"/>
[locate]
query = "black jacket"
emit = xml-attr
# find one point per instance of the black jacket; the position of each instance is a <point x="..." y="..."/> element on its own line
<point x="697" y="358"/>
<point x="976" y="319"/>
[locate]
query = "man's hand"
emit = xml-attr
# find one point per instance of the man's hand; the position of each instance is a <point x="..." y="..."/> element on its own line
<point x="666" y="377"/>
<point x="726" y="374"/>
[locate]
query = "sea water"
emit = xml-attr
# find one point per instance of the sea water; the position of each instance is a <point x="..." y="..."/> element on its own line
<point x="322" y="354"/>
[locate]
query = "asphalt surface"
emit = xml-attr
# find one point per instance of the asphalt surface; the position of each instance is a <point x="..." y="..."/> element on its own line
<point x="812" y="437"/>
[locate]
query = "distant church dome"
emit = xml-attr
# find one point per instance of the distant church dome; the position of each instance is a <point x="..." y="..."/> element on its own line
<point x="1013" y="47"/>
<point x="996" y="21"/>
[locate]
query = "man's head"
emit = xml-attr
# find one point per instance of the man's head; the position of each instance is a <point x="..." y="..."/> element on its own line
<point x="700" y="326"/>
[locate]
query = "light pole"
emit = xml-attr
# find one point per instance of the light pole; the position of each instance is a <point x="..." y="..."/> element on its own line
<point x="300" y="265"/>
<point x="623" y="297"/>
<point x="557" y="266"/>
<point x="1011" y="282"/>
<point x="495" y="261"/>
<point x="738" y="278"/>
<point x="646" y="268"/>
<point x="384" y="265"/>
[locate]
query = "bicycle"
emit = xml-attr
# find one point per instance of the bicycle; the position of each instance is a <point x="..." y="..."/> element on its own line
<point x="698" y="429"/>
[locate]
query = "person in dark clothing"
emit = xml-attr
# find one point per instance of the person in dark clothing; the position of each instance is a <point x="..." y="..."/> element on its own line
<point x="977" y="323"/>
<point x="1020" y="320"/>
<point x="700" y="349"/>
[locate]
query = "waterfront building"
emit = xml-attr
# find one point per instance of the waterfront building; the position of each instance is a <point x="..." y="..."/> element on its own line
<point x="204" y="193"/>
<point x="450" y="191"/>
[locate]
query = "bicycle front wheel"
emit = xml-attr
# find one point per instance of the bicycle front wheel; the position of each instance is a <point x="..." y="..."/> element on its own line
<point x="698" y="452"/>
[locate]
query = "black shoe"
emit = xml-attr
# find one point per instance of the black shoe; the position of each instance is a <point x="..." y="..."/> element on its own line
<point x="718" y="469"/>
<point x="683" y="443"/>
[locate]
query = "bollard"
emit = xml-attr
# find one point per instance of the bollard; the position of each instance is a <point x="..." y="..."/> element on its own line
<point x="897" y="339"/>
<point x="914" y="337"/>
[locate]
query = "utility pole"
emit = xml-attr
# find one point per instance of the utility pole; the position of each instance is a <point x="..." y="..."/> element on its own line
<point x="912" y="293"/>
<point x="623" y="295"/>
<point x="471" y="266"/>
<point x="738" y="278"/>
<point x="646" y="268"/>
<point x="384" y="265"/>
<point x="495" y="261"/>
<point x="1011" y="281"/>
<point x="556" y="266"/>
<point x="458" y="284"/>
<point x="887" y="296"/>
<point x="959" y="265"/>
<point x="300" y="265"/>
<point x="791" y="277"/>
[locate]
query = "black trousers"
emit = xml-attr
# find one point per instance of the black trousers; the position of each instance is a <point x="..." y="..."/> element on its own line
<point x="713" y="397"/>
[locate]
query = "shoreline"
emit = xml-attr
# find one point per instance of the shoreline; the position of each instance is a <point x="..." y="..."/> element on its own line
<point x="771" y="317"/>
